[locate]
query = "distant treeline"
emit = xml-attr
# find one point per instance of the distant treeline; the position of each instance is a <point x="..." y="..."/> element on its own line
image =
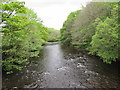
<point x="94" y="28"/>
<point x="54" y="35"/>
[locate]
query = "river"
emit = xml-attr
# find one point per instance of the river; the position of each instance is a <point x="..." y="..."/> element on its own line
<point x="60" y="66"/>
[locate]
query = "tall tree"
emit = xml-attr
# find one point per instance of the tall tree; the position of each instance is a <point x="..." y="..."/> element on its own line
<point x="23" y="35"/>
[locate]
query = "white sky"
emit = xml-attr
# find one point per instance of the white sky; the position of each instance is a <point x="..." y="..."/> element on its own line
<point x="54" y="12"/>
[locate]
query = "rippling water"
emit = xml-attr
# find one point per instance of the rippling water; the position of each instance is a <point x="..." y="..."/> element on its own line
<point x="63" y="67"/>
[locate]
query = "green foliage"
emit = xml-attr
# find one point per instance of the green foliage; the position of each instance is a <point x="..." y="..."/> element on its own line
<point x="94" y="28"/>
<point x="85" y="25"/>
<point x="54" y="35"/>
<point x="105" y="41"/>
<point x="23" y="35"/>
<point x="66" y="29"/>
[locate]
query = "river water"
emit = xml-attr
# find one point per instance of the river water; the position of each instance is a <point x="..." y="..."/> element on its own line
<point x="64" y="67"/>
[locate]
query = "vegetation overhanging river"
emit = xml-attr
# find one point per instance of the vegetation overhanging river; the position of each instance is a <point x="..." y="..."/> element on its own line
<point x="64" y="67"/>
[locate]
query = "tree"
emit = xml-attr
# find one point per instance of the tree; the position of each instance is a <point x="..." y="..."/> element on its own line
<point x="105" y="41"/>
<point x="23" y="35"/>
<point x="67" y="27"/>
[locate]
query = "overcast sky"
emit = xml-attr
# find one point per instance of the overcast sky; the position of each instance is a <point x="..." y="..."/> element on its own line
<point x="54" y="12"/>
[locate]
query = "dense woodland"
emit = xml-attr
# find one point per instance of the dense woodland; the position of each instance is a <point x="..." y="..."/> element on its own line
<point x="94" y="28"/>
<point x="23" y="35"/>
